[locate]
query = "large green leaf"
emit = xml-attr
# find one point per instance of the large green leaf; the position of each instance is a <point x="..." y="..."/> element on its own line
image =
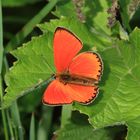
<point x="34" y="65"/>
<point x="35" y="59"/>
<point x="119" y="98"/>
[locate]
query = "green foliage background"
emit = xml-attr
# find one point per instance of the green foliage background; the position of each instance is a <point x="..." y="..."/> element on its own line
<point x="109" y="28"/>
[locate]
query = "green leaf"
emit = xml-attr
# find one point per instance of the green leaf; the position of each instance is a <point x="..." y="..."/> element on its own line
<point x="65" y="8"/>
<point x="117" y="30"/>
<point x="118" y="101"/>
<point x="34" y="65"/>
<point x="74" y="131"/>
<point x="11" y="3"/>
<point x="96" y="15"/>
<point x="94" y="12"/>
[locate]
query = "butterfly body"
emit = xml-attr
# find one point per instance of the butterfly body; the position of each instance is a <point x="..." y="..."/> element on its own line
<point x="77" y="76"/>
<point x="67" y="78"/>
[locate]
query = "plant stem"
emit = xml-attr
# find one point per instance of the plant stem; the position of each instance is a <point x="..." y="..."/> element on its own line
<point x="19" y="37"/>
<point x="32" y="128"/>
<point x="66" y="114"/>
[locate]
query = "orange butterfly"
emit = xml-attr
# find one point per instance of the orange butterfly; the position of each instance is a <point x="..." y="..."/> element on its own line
<point x="76" y="76"/>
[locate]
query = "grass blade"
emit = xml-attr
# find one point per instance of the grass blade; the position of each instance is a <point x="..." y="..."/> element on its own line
<point x="10" y="125"/>
<point x="16" y="120"/>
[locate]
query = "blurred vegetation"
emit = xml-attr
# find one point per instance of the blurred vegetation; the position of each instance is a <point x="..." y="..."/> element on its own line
<point x="101" y="25"/>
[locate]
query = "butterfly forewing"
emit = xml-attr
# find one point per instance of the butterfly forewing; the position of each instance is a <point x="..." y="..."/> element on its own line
<point x="66" y="46"/>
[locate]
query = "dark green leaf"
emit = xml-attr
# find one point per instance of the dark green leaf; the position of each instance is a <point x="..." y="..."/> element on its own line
<point x="72" y="131"/>
<point x="127" y="9"/>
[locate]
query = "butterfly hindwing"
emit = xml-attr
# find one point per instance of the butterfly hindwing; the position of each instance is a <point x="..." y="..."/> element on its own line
<point x="56" y="94"/>
<point x="66" y="46"/>
<point x="83" y="94"/>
